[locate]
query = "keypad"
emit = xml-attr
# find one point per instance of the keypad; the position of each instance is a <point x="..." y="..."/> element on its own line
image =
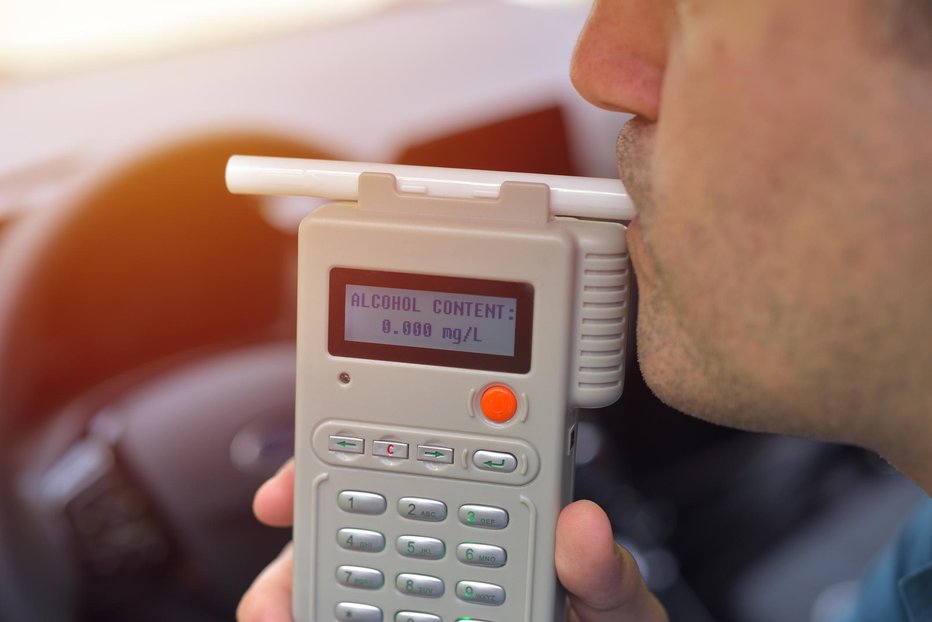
<point x="360" y="576"/>
<point x="440" y="454"/>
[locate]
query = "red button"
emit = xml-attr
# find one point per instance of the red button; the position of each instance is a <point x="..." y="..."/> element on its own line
<point x="498" y="403"/>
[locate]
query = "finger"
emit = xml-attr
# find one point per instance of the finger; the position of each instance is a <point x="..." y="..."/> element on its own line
<point x="274" y="501"/>
<point x="268" y="599"/>
<point x="602" y="578"/>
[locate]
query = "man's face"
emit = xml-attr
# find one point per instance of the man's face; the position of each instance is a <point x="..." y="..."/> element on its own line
<point x="780" y="162"/>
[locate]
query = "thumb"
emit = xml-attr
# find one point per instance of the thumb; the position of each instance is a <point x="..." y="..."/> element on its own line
<point x="601" y="577"/>
<point x="274" y="501"/>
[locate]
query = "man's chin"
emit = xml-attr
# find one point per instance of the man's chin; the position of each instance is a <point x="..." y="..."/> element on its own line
<point x="689" y="379"/>
<point x="662" y="353"/>
<point x="700" y="388"/>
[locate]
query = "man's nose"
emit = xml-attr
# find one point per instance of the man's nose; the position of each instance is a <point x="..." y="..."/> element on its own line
<point x="621" y="55"/>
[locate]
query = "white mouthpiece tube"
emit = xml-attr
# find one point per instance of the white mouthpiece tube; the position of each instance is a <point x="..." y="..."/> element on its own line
<point x="580" y="197"/>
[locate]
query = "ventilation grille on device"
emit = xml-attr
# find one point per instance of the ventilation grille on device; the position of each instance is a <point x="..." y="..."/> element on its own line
<point x="603" y="328"/>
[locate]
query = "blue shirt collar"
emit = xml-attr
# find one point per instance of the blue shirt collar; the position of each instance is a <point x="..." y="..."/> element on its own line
<point x="916" y="594"/>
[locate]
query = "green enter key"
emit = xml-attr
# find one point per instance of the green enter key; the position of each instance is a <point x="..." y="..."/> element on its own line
<point x="494" y="461"/>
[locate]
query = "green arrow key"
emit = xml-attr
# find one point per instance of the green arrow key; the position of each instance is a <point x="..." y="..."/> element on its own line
<point x="494" y="465"/>
<point x="347" y="444"/>
<point x="435" y="453"/>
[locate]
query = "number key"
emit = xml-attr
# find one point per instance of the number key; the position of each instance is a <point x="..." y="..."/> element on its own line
<point x="481" y="555"/>
<point x="482" y="593"/>
<point x="484" y="516"/>
<point x="361" y="502"/>
<point x="416" y="508"/>
<point x="420" y="547"/>
<point x="359" y="576"/>
<point x="361" y="540"/>
<point x="354" y="612"/>
<point x="419" y="585"/>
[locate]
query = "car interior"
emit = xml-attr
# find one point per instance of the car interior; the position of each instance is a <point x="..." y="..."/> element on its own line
<point x="147" y="316"/>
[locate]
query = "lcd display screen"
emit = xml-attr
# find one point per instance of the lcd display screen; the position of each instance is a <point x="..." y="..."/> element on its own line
<point x="429" y="319"/>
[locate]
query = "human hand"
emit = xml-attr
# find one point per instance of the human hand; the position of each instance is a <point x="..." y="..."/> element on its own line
<point x="602" y="579"/>
<point x="268" y="599"/>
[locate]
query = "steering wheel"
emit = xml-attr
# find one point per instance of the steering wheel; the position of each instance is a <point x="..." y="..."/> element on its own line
<point x="146" y="389"/>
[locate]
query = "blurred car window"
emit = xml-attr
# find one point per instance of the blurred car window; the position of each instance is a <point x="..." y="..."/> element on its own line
<point x="53" y="36"/>
<point x="42" y="37"/>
